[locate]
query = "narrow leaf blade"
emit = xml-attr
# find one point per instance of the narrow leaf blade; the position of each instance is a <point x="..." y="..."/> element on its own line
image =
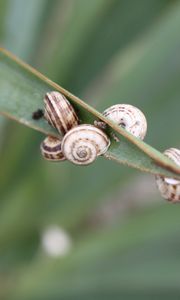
<point x="21" y="93"/>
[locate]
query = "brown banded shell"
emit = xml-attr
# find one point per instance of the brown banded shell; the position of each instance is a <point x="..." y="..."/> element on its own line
<point x="82" y="144"/>
<point x="129" y="117"/>
<point x="170" y="187"/>
<point x="59" y="112"/>
<point x="51" y="149"/>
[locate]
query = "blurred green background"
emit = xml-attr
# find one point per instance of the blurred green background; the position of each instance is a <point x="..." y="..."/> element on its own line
<point x="100" y="232"/>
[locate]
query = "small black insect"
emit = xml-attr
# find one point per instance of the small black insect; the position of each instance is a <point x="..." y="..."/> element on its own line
<point x="38" y="114"/>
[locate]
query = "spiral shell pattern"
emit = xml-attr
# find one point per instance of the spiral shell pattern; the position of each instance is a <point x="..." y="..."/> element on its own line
<point x="82" y="144"/>
<point x="51" y="149"/>
<point x="170" y="187"/>
<point x="128" y="117"/>
<point x="59" y="112"/>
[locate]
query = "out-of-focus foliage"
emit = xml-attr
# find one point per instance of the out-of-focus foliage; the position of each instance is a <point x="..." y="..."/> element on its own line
<point x="125" y="238"/>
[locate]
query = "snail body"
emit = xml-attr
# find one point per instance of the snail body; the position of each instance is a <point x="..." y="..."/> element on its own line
<point x="170" y="187"/>
<point x="129" y="117"/>
<point x="51" y="149"/>
<point x="82" y="144"/>
<point x="59" y="112"/>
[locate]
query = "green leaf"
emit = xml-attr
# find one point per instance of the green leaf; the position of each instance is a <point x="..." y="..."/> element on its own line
<point x="87" y="28"/>
<point x="24" y="42"/>
<point x="132" y="256"/>
<point x="21" y="92"/>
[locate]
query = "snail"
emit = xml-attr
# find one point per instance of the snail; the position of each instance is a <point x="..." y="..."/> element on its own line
<point x="128" y="117"/>
<point x="82" y="144"/>
<point x="51" y="149"/>
<point x="59" y="112"/>
<point x="169" y="187"/>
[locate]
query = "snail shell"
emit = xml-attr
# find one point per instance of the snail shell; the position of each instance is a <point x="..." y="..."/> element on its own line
<point x="170" y="187"/>
<point x="129" y="117"/>
<point x="82" y="144"/>
<point x="51" y="149"/>
<point x="59" y="112"/>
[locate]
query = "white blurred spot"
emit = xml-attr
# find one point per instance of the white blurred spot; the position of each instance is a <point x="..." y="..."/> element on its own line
<point x="55" y="241"/>
<point x="171" y="181"/>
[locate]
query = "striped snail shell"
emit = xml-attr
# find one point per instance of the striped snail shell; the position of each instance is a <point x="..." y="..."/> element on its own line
<point x="82" y="144"/>
<point x="59" y="112"/>
<point x="51" y="149"/>
<point x="129" y="117"/>
<point x="170" y="187"/>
